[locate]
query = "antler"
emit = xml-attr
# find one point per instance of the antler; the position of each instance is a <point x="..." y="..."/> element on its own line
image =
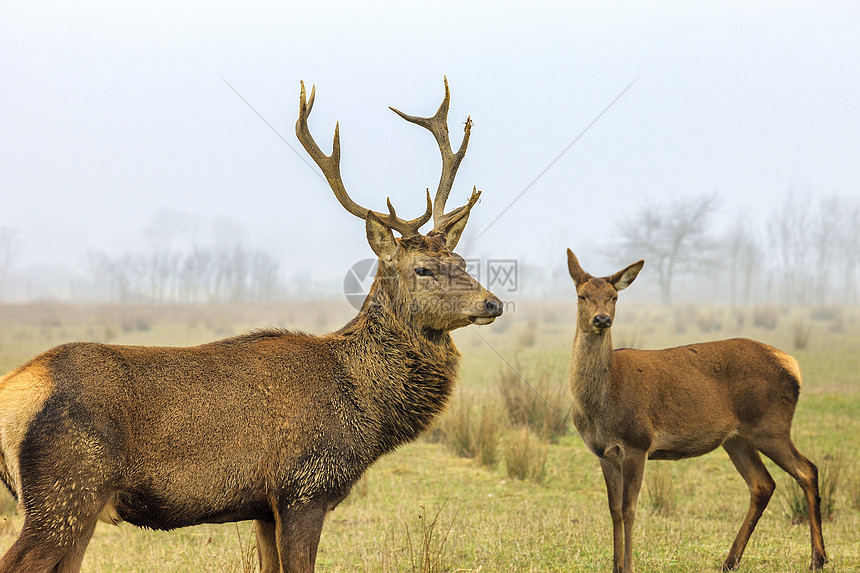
<point x="330" y="166"/>
<point x="438" y="126"/>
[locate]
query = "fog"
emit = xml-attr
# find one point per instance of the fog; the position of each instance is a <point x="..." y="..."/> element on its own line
<point x="137" y="126"/>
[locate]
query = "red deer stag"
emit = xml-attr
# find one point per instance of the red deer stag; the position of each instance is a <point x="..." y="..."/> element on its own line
<point x="635" y="405"/>
<point x="273" y="426"/>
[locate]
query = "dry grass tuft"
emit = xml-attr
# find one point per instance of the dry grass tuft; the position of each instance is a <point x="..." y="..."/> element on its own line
<point x="740" y="317"/>
<point x="709" y="321"/>
<point x="473" y="432"/>
<point x="854" y="487"/>
<point x="525" y="456"/>
<point x="527" y="336"/>
<point x="7" y="527"/>
<point x="247" y="555"/>
<point x="8" y="505"/>
<point x="765" y="317"/>
<point x="660" y="495"/>
<point x="429" y="557"/>
<point x="535" y="397"/>
<point x="801" y="332"/>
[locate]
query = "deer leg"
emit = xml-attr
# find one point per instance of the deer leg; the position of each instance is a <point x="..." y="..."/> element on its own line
<point x="298" y="528"/>
<point x="30" y="553"/>
<point x="748" y="463"/>
<point x="59" y="549"/>
<point x="55" y="541"/>
<point x="786" y="456"/>
<point x="267" y="547"/>
<point x="614" y="491"/>
<point x="71" y="561"/>
<point x="632" y="470"/>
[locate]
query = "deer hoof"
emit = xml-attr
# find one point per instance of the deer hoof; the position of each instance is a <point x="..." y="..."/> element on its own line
<point x="818" y="561"/>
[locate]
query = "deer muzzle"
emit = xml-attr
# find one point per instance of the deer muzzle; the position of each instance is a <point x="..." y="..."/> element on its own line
<point x="601" y="322"/>
<point x="492" y="308"/>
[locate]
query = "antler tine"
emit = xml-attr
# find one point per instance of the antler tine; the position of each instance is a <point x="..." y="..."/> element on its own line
<point x="453" y="216"/>
<point x="406" y="228"/>
<point x="330" y="167"/>
<point x="438" y="125"/>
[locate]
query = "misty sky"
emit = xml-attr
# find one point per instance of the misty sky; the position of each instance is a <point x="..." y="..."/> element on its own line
<point x="115" y="114"/>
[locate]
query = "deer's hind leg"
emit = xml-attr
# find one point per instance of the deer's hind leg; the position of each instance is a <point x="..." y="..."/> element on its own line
<point x="67" y="477"/>
<point x="53" y="542"/>
<point x="761" y="485"/>
<point x="30" y="554"/>
<point x="784" y="454"/>
<point x="71" y="561"/>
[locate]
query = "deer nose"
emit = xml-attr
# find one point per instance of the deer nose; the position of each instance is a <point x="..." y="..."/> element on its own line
<point x="493" y="306"/>
<point x="601" y="321"/>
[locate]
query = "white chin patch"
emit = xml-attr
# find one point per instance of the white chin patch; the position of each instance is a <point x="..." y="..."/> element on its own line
<point x="482" y="320"/>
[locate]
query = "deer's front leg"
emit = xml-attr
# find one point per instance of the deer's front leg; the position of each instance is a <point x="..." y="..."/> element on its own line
<point x="632" y="470"/>
<point x="298" y="528"/>
<point x="614" y="490"/>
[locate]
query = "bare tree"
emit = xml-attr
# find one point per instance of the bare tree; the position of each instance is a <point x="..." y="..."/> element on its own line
<point x="849" y="253"/>
<point x="789" y="246"/>
<point x="673" y="237"/>
<point x="744" y="256"/>
<point x="162" y="268"/>
<point x="828" y="222"/>
<point x="171" y="268"/>
<point x="204" y="274"/>
<point x="10" y="247"/>
<point x="263" y="275"/>
<point x="124" y="276"/>
<point x="195" y="276"/>
<point x="163" y="234"/>
<point x="810" y="238"/>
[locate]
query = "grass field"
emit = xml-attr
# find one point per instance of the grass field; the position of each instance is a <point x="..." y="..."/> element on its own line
<point x="425" y="508"/>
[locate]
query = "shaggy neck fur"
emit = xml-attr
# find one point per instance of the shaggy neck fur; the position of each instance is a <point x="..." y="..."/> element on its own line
<point x="403" y="373"/>
<point x="589" y="372"/>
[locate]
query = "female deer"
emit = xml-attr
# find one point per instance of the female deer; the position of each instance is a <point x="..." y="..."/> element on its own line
<point x="635" y="405"/>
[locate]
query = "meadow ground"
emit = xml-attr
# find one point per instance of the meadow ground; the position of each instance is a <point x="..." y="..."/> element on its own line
<point x="425" y="508"/>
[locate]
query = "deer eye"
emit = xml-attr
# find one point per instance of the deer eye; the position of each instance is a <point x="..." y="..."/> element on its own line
<point x="423" y="272"/>
<point x="582" y="298"/>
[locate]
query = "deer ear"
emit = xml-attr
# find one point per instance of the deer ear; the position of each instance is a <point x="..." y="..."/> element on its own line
<point x="578" y="275"/>
<point x="622" y="279"/>
<point x="454" y="231"/>
<point x="380" y="238"/>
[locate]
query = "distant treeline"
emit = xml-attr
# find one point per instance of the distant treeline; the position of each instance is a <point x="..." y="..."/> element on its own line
<point x="803" y="250"/>
<point x="204" y="274"/>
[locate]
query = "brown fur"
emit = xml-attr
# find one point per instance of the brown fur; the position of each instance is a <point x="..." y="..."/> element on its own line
<point x="633" y="405"/>
<point x="273" y="426"/>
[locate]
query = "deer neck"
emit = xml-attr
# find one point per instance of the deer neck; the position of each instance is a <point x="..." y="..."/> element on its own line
<point x="590" y="372"/>
<point x="394" y="312"/>
<point x="403" y="375"/>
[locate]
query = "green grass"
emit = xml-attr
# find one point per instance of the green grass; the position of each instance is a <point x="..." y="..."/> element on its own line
<point x="482" y="519"/>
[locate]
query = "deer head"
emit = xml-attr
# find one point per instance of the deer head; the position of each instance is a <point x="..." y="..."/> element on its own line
<point x="597" y="296"/>
<point x="419" y="277"/>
